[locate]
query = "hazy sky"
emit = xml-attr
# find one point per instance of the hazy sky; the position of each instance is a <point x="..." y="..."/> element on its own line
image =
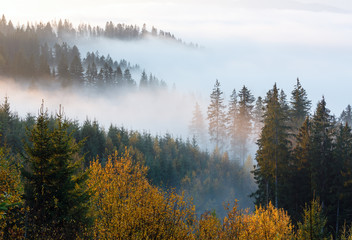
<point x="251" y="42"/>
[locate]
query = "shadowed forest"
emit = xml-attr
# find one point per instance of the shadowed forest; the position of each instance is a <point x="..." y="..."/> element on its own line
<point x="270" y="167"/>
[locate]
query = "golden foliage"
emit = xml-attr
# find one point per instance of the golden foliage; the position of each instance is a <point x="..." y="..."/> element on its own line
<point x="263" y="224"/>
<point x="126" y="206"/>
<point x="11" y="190"/>
<point x="209" y="227"/>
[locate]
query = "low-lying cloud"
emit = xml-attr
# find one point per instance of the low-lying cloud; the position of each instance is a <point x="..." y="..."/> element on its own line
<point x="158" y="112"/>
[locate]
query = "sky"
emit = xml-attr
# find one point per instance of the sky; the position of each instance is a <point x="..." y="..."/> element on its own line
<point x="246" y="42"/>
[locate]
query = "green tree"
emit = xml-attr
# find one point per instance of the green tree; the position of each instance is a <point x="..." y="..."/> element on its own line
<point x="197" y="126"/>
<point x="300" y="106"/>
<point x="55" y="192"/>
<point x="63" y="71"/>
<point x="143" y="84"/>
<point x="301" y="190"/>
<point x="346" y="116"/>
<point x="321" y="153"/>
<point x="313" y="225"/>
<point x="258" y="113"/>
<point x="217" y="117"/>
<point x="233" y="125"/>
<point x="341" y="184"/>
<point x="76" y="69"/>
<point x="244" y="120"/>
<point x="273" y="153"/>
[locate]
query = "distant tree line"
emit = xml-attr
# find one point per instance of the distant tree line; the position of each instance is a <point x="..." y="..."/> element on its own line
<point x="35" y="54"/>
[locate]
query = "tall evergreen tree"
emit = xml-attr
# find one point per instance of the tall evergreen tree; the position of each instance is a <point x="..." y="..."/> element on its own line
<point x="55" y="194"/>
<point x="346" y="116"/>
<point x="118" y="76"/>
<point x="143" y="84"/>
<point x="300" y="106"/>
<point x="273" y="153"/>
<point x="301" y="191"/>
<point x="258" y="113"/>
<point x="63" y="71"/>
<point x="322" y="155"/>
<point x="233" y="125"/>
<point x="244" y="120"/>
<point x="217" y="117"/>
<point x="76" y="69"/>
<point x="341" y="184"/>
<point x="197" y="126"/>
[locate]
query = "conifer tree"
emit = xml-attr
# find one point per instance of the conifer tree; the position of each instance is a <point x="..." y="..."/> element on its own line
<point x="144" y="81"/>
<point x="300" y="106"/>
<point x="301" y="190"/>
<point x="233" y="125"/>
<point x="128" y="78"/>
<point x="55" y="194"/>
<point x="76" y="69"/>
<point x="346" y="116"/>
<point x="313" y="225"/>
<point x="273" y="152"/>
<point x="258" y="112"/>
<point x="341" y="183"/>
<point x="321" y="151"/>
<point x="63" y="71"/>
<point x="244" y="120"/>
<point x="197" y="126"/>
<point x="216" y="117"/>
<point x="118" y="76"/>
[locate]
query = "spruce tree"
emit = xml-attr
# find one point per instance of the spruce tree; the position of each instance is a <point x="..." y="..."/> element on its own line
<point x="216" y="117"/>
<point x="300" y="106"/>
<point x="143" y="84"/>
<point x="197" y="126"/>
<point x="76" y="69"/>
<point x="258" y="113"/>
<point x="233" y="126"/>
<point x="301" y="191"/>
<point x="341" y="185"/>
<point x="346" y="116"/>
<point x="273" y="153"/>
<point x="55" y="194"/>
<point x="244" y="120"/>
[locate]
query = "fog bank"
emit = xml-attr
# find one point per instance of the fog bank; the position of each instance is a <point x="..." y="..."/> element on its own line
<point x="157" y="112"/>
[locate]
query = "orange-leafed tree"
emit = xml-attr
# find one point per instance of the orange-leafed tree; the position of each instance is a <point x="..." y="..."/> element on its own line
<point x="126" y="206"/>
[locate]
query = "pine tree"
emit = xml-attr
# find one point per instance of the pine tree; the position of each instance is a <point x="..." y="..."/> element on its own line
<point x="321" y="150"/>
<point x="300" y="106"/>
<point x="273" y="153"/>
<point x="233" y="125"/>
<point x="143" y="84"/>
<point x="341" y="184"/>
<point x="216" y="117"/>
<point x="63" y="71"/>
<point x="301" y="190"/>
<point x="76" y="69"/>
<point x="244" y="120"/>
<point x="55" y="194"/>
<point x="346" y="116"/>
<point x="197" y="126"/>
<point x="128" y="78"/>
<point x="118" y="76"/>
<point x="258" y="113"/>
<point x="314" y="221"/>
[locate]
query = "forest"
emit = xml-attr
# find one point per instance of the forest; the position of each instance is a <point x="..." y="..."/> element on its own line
<point x="65" y="179"/>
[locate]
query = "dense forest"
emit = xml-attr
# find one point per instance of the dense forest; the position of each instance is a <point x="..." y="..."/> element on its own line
<point x="64" y="179"/>
<point x="301" y="171"/>
<point x="40" y="55"/>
